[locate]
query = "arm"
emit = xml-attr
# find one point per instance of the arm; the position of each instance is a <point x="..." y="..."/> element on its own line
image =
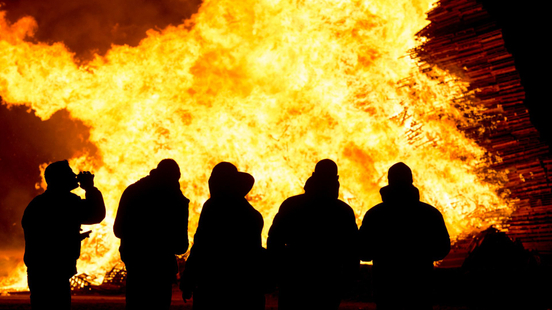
<point x="180" y="225"/>
<point x="366" y="238"/>
<point x="189" y="276"/>
<point x="276" y="241"/>
<point x="352" y="260"/>
<point x="441" y="239"/>
<point x="120" y="218"/>
<point x="93" y="205"/>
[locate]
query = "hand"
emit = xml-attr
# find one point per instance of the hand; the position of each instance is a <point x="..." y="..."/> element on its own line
<point x="86" y="180"/>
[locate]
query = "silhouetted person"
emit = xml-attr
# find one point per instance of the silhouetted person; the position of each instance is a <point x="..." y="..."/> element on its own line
<point x="152" y="223"/>
<point x="403" y="237"/>
<point x="500" y="274"/>
<point x="226" y="261"/>
<point x="52" y="225"/>
<point x="312" y="240"/>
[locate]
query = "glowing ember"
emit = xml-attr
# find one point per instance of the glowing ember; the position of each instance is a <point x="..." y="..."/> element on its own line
<point x="271" y="86"/>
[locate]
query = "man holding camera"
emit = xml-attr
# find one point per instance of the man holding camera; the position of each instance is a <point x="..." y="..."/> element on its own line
<point x="52" y="226"/>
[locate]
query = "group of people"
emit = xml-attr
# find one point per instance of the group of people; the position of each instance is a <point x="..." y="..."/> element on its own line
<point x="313" y="252"/>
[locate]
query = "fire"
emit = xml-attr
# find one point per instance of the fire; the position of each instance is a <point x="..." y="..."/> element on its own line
<point x="273" y="87"/>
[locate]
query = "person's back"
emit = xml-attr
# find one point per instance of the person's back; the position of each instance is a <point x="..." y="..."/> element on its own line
<point x="414" y="231"/>
<point x="311" y="228"/>
<point x="227" y="226"/>
<point x="312" y="240"/>
<point x="225" y="265"/>
<point x="154" y="226"/>
<point x="403" y="237"/>
<point x="152" y="223"/>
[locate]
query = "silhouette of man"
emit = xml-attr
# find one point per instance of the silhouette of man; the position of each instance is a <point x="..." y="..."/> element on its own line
<point x="403" y="237"/>
<point x="152" y="223"/>
<point x="52" y="225"/>
<point x="313" y="239"/>
<point x="226" y="261"/>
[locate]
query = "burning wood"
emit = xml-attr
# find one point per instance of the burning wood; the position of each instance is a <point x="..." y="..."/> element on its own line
<point x="463" y="39"/>
<point x="275" y="87"/>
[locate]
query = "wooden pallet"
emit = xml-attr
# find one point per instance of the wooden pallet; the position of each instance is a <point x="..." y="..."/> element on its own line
<point x="463" y="39"/>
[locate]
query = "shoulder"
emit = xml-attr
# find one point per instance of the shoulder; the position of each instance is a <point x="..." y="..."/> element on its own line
<point x="256" y="214"/>
<point x="429" y="209"/>
<point x="377" y="209"/>
<point x="37" y="200"/>
<point x="293" y="204"/>
<point x="137" y="189"/>
<point x="140" y="184"/>
<point x="209" y="207"/>
<point x="35" y="204"/>
<point x="376" y="212"/>
<point x="293" y="201"/>
<point x="131" y="189"/>
<point x="345" y="208"/>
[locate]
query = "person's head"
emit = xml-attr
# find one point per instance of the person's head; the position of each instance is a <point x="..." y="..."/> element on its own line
<point x="227" y="180"/>
<point x="167" y="171"/>
<point x="60" y="176"/>
<point x="399" y="174"/>
<point x="324" y="180"/>
<point x="326" y="169"/>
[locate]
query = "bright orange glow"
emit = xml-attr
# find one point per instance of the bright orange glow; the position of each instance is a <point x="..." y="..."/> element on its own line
<point x="273" y="87"/>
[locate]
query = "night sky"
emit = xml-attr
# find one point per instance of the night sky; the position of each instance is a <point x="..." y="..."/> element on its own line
<point x="26" y="142"/>
<point x="526" y="29"/>
<point x="86" y="27"/>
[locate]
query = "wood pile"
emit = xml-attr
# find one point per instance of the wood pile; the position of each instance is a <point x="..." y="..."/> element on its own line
<point x="463" y="39"/>
<point x="457" y="254"/>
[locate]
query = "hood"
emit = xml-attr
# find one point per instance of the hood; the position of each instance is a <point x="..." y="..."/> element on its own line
<point x="322" y="188"/>
<point x="399" y="193"/>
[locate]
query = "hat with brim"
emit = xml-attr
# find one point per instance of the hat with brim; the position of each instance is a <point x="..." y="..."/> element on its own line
<point x="226" y="179"/>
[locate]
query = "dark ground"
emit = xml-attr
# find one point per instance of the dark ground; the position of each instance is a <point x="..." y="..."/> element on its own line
<point x="20" y="301"/>
<point x="454" y="289"/>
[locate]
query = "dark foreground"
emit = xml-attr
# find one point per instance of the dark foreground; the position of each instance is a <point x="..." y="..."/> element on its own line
<point x="454" y="290"/>
<point x="20" y="301"/>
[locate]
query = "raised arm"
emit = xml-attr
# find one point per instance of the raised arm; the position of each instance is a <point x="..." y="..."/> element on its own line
<point x="93" y="206"/>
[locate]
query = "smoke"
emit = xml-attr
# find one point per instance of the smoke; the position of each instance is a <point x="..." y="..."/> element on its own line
<point x="87" y="27"/>
<point x="26" y="143"/>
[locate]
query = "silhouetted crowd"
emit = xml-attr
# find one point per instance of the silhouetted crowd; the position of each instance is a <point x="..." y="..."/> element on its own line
<point x="313" y="252"/>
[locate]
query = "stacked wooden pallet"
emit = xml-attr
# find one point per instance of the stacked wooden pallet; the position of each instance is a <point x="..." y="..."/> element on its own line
<point x="463" y="39"/>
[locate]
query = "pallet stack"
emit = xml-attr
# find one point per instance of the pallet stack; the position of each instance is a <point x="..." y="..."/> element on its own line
<point x="463" y="39"/>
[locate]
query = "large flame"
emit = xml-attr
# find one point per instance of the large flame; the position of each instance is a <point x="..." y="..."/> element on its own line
<point x="273" y="87"/>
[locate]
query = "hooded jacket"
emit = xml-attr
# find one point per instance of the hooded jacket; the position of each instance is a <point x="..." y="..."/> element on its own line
<point x="403" y="231"/>
<point x="152" y="223"/>
<point x="313" y="236"/>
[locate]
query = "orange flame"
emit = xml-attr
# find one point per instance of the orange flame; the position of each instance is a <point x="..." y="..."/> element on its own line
<point x="272" y="86"/>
